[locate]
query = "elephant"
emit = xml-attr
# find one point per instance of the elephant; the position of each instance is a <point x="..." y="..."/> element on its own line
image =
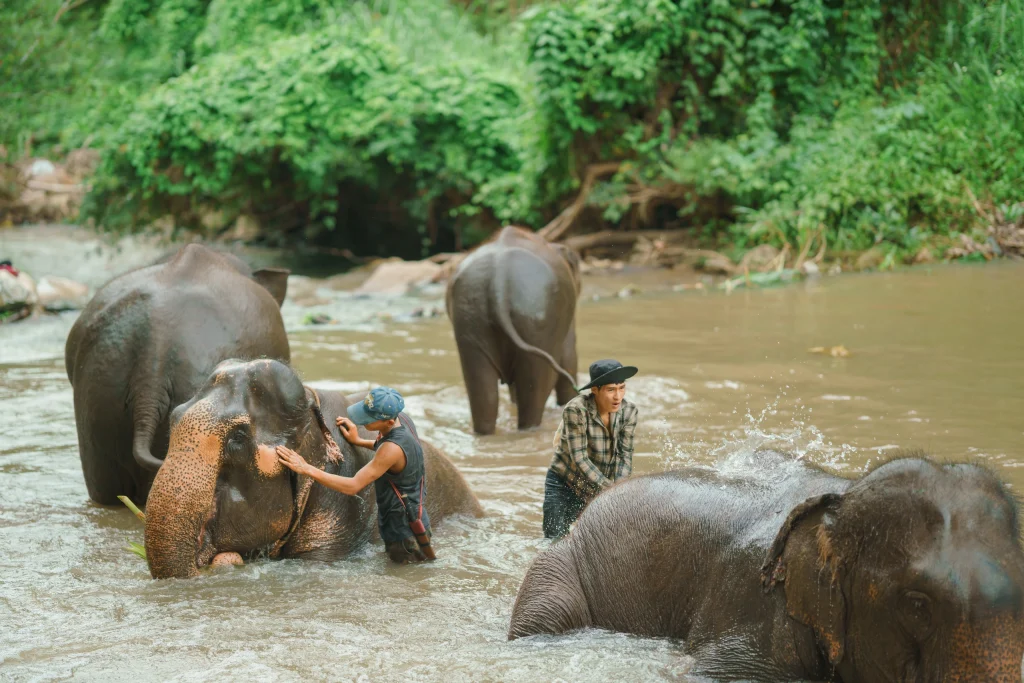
<point x="147" y="341"/>
<point x="913" y="572"/>
<point x="222" y="489"/>
<point x="512" y="304"/>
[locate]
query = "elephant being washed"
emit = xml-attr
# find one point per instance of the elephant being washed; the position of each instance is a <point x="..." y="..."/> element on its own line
<point x="912" y="573"/>
<point x="222" y="489"/>
<point x="147" y="341"/>
<point x="512" y="304"/>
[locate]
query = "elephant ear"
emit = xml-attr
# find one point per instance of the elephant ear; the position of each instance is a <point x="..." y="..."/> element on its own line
<point x="806" y="559"/>
<point x="331" y="450"/>
<point x="318" y="447"/>
<point x="572" y="259"/>
<point x="275" y="281"/>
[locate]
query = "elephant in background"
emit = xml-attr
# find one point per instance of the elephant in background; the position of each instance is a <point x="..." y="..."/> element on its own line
<point x="512" y="304"/>
<point x="147" y="341"/>
<point x="913" y="573"/>
<point x="222" y="489"/>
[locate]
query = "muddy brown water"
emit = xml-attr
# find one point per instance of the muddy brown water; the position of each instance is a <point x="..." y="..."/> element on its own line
<point x="936" y="363"/>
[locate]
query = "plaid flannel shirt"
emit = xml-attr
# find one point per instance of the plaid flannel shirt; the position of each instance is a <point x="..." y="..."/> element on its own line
<point x="589" y="457"/>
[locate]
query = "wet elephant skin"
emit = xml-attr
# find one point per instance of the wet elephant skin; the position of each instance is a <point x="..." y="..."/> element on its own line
<point x="147" y="341"/>
<point x="222" y="489"/>
<point x="912" y="573"/>
<point x="512" y="304"/>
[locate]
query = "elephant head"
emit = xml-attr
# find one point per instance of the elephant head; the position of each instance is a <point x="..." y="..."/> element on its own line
<point x="221" y="487"/>
<point x="914" y="574"/>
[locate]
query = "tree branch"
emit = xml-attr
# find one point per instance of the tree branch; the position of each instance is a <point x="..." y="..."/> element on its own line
<point x="565" y="220"/>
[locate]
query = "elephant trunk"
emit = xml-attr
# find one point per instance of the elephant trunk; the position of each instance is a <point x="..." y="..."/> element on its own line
<point x="181" y="502"/>
<point x="149" y="410"/>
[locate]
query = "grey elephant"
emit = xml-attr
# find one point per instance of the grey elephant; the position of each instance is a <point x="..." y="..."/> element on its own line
<point x="222" y="490"/>
<point x="147" y="341"/>
<point x="512" y="304"/>
<point x="913" y="572"/>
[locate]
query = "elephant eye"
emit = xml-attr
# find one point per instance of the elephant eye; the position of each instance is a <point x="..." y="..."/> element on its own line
<point x="915" y="609"/>
<point x="238" y="439"/>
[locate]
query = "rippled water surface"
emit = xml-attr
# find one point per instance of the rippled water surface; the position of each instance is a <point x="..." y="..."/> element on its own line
<point x="935" y="363"/>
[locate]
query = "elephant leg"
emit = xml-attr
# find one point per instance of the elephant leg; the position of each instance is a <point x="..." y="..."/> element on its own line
<point x="512" y="391"/>
<point x="564" y="391"/>
<point x="534" y="380"/>
<point x="108" y="467"/>
<point x="481" y="381"/>
<point x="551" y="598"/>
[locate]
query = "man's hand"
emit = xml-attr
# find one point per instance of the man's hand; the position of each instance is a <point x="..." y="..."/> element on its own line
<point x="293" y="460"/>
<point x="349" y="430"/>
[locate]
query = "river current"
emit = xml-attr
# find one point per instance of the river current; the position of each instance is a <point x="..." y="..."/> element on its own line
<point x="935" y="363"/>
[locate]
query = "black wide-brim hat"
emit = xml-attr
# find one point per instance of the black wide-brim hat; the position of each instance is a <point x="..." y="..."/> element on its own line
<point x="608" y="371"/>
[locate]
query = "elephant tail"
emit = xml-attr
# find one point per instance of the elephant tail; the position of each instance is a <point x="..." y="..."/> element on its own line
<point x="503" y="311"/>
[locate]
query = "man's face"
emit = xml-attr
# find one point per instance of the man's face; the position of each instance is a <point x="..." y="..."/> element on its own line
<point x="609" y="397"/>
<point x="379" y="425"/>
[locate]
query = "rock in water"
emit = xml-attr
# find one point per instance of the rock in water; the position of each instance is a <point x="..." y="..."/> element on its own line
<point x="61" y="294"/>
<point x="870" y="259"/>
<point x="398" y="277"/>
<point x="760" y="258"/>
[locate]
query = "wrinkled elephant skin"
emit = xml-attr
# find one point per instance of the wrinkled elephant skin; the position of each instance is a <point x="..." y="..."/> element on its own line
<point x="512" y="304"/>
<point x="147" y="341"/>
<point x="222" y="496"/>
<point x="912" y="573"/>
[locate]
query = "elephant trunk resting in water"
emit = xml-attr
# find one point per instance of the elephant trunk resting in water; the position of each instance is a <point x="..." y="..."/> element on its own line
<point x="512" y="304"/>
<point x="912" y="573"/>
<point x="147" y="341"/>
<point x="222" y="489"/>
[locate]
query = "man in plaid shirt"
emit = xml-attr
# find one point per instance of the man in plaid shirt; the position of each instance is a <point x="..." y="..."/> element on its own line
<point x="593" y="446"/>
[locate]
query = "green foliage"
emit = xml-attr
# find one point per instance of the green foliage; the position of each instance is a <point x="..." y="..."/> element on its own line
<point x="387" y="125"/>
<point x="61" y="81"/>
<point x="312" y="121"/>
<point x="861" y="122"/>
<point x="897" y="173"/>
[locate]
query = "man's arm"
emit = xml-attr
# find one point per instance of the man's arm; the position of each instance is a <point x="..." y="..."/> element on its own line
<point x="625" y="465"/>
<point x="574" y="436"/>
<point x="386" y="457"/>
<point x="351" y="433"/>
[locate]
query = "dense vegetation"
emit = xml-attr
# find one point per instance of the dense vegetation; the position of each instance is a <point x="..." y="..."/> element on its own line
<point x="395" y="126"/>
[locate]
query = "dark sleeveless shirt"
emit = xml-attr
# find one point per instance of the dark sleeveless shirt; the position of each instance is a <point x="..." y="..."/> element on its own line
<point x="391" y="519"/>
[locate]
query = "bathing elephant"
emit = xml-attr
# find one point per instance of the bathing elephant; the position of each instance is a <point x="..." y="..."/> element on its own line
<point x="147" y="341"/>
<point x="913" y="572"/>
<point x="512" y="304"/>
<point x="223" y="490"/>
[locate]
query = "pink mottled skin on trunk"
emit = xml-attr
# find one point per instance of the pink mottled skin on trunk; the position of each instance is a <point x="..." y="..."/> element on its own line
<point x="226" y="559"/>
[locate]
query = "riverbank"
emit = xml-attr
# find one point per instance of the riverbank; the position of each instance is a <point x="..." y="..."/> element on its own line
<point x="326" y="294"/>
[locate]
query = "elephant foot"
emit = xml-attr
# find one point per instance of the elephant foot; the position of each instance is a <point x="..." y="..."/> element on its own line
<point x="226" y="559"/>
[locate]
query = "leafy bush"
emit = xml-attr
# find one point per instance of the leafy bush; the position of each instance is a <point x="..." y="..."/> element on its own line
<point x="299" y="128"/>
<point x="386" y="124"/>
<point x="862" y="122"/>
<point x="898" y="173"/>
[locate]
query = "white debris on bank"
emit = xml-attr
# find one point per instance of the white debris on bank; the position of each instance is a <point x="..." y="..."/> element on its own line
<point x="21" y="296"/>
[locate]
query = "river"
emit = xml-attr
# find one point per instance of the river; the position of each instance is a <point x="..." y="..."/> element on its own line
<point x="935" y="363"/>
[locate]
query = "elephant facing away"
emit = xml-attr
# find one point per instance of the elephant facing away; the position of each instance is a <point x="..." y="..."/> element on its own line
<point x="147" y="341"/>
<point x="512" y="304"/>
<point x="912" y="573"/>
<point x="222" y="489"/>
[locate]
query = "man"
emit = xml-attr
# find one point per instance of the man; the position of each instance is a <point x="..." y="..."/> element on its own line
<point x="397" y="472"/>
<point x="593" y="446"/>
